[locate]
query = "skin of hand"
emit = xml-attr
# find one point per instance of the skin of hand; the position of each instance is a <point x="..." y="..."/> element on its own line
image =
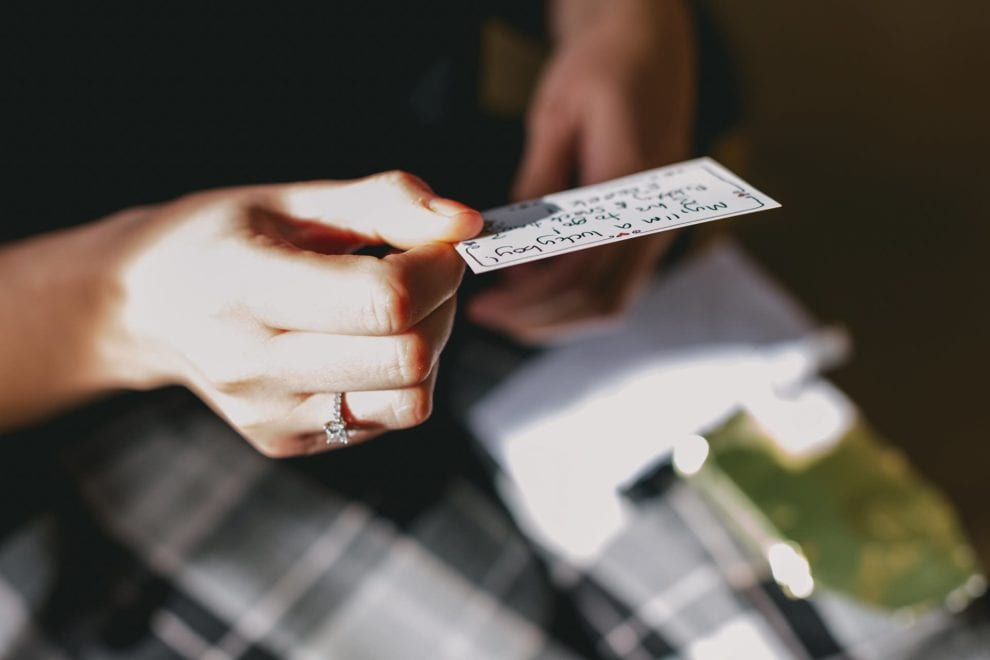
<point x="253" y="298"/>
<point x="616" y="97"/>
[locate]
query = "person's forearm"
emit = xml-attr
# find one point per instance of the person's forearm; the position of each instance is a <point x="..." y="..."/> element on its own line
<point x="55" y="297"/>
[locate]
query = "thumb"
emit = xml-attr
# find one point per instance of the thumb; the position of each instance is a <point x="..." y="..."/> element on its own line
<point x="396" y="207"/>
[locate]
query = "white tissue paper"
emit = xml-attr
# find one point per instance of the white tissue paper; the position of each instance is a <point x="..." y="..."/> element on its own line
<point x="575" y="425"/>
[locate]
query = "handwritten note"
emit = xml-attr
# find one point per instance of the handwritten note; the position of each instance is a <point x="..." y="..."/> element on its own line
<point x="650" y="202"/>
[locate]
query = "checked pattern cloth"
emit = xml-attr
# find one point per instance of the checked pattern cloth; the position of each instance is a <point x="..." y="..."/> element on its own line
<point x="198" y="547"/>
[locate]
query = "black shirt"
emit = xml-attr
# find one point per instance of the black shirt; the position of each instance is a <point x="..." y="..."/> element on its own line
<point x="106" y="108"/>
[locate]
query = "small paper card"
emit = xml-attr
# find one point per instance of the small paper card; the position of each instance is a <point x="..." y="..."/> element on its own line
<point x="657" y="200"/>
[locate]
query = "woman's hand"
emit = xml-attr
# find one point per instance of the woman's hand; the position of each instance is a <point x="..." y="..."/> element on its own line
<point x="617" y="97"/>
<point x="252" y="298"/>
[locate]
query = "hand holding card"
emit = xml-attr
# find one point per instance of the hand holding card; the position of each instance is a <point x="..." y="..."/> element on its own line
<point x="650" y="202"/>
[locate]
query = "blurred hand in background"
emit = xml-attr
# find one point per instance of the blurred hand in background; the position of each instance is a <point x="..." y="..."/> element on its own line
<point x="616" y="97"/>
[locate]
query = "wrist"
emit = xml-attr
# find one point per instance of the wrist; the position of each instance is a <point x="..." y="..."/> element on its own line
<point x="58" y="343"/>
<point x="121" y="358"/>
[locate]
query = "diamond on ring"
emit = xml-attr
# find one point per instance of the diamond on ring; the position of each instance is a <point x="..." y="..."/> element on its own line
<point x="336" y="429"/>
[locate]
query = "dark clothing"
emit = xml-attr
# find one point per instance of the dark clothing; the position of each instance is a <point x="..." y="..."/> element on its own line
<point x="109" y="108"/>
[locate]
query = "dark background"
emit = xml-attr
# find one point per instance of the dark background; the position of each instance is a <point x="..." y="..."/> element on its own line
<point x="869" y="122"/>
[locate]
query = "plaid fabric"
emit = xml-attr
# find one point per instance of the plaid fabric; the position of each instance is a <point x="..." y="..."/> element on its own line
<point x="214" y="551"/>
<point x="676" y="581"/>
<point x="201" y="548"/>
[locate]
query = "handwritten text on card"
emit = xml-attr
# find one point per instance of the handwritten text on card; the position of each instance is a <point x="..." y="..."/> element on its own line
<point x="646" y="203"/>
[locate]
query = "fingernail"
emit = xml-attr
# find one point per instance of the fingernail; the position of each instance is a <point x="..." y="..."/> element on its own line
<point x="449" y="207"/>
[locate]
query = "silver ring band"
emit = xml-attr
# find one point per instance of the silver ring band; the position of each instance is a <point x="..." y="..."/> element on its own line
<point x="336" y="429"/>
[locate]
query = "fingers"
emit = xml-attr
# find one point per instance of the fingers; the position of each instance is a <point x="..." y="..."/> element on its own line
<point x="315" y="362"/>
<point x="292" y="289"/>
<point x="378" y="410"/>
<point x="346" y="294"/>
<point x="573" y="292"/>
<point x="614" y="144"/>
<point x="528" y="285"/>
<point x="548" y="155"/>
<point x="251" y="298"/>
<point x="393" y="207"/>
<point x="367" y="414"/>
<point x="389" y="383"/>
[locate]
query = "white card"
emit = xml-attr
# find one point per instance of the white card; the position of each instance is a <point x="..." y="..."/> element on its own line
<point x="650" y="202"/>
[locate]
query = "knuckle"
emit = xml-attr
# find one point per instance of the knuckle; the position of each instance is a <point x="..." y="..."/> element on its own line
<point x="231" y="376"/>
<point x="194" y="199"/>
<point x="275" y="448"/>
<point x="391" y="303"/>
<point x="249" y="420"/>
<point x="264" y="427"/>
<point x="412" y="407"/>
<point x="414" y="359"/>
<point x="255" y="417"/>
<point x="398" y="179"/>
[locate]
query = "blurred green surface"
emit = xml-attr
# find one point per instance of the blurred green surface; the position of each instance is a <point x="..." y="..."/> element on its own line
<point x="870" y="526"/>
